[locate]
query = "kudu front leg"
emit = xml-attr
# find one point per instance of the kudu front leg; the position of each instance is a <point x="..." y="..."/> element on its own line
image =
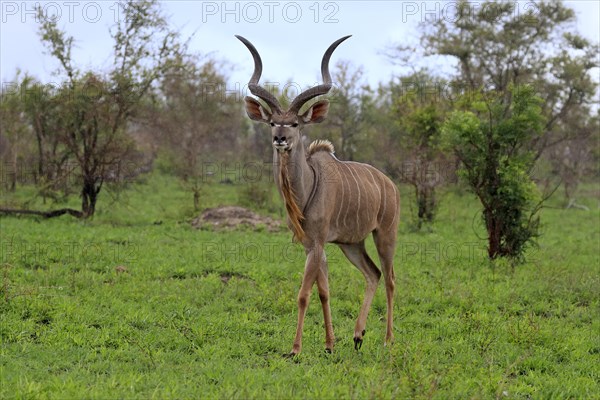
<point x="315" y="258"/>
<point x="323" y="286"/>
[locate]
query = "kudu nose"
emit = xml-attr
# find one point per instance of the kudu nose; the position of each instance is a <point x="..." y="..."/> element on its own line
<point x="279" y="139"/>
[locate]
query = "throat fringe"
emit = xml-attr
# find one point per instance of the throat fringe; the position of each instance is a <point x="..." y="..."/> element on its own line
<point x="291" y="205"/>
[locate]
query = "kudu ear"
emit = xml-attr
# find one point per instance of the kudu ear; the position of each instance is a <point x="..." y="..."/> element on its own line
<point x="256" y="111"/>
<point x="316" y="113"/>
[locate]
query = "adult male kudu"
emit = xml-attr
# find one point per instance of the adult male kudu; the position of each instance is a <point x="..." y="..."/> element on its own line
<point x="327" y="200"/>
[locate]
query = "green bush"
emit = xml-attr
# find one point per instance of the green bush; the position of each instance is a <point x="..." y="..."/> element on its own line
<point x="490" y="136"/>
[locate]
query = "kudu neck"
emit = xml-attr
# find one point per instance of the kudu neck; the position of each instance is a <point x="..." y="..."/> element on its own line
<point x="300" y="175"/>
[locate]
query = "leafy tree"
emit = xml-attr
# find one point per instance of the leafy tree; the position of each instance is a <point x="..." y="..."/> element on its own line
<point x="490" y="139"/>
<point x="495" y="45"/>
<point x="194" y="121"/>
<point x="44" y="112"/>
<point x="503" y="57"/>
<point x="576" y="157"/>
<point x="14" y="132"/>
<point x="418" y="111"/>
<point x="94" y="112"/>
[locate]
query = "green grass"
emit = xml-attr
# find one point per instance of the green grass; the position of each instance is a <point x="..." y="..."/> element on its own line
<point x="137" y="304"/>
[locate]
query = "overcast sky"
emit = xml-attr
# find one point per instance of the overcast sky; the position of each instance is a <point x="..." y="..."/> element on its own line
<point x="291" y="36"/>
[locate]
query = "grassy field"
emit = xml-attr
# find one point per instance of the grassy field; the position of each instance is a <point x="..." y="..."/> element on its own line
<point x="138" y="304"/>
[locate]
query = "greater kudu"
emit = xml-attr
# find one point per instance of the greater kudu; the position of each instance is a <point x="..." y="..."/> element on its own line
<point x="327" y="200"/>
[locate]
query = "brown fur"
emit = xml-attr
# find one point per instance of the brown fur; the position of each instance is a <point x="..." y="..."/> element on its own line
<point x="294" y="213"/>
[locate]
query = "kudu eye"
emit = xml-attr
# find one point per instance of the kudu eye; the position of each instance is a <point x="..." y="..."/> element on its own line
<point x="295" y="125"/>
<point x="272" y="123"/>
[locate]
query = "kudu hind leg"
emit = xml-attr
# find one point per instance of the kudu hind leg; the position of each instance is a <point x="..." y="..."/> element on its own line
<point x="386" y="247"/>
<point x="358" y="256"/>
<point x="314" y="259"/>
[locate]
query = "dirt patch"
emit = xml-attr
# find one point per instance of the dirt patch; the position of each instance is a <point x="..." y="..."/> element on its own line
<point x="233" y="217"/>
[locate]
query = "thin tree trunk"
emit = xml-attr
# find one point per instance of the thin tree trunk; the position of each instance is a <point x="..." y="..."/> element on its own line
<point x="40" y="146"/>
<point x="13" y="177"/>
<point x="89" y="196"/>
<point x="196" y="199"/>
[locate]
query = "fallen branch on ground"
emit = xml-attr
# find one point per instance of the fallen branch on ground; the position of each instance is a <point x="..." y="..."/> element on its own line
<point x="45" y="214"/>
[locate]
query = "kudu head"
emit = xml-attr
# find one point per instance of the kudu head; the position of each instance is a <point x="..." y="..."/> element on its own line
<point x="286" y="124"/>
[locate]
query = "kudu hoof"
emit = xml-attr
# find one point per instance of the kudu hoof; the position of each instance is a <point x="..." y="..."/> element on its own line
<point x="291" y="355"/>
<point x="358" y="341"/>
